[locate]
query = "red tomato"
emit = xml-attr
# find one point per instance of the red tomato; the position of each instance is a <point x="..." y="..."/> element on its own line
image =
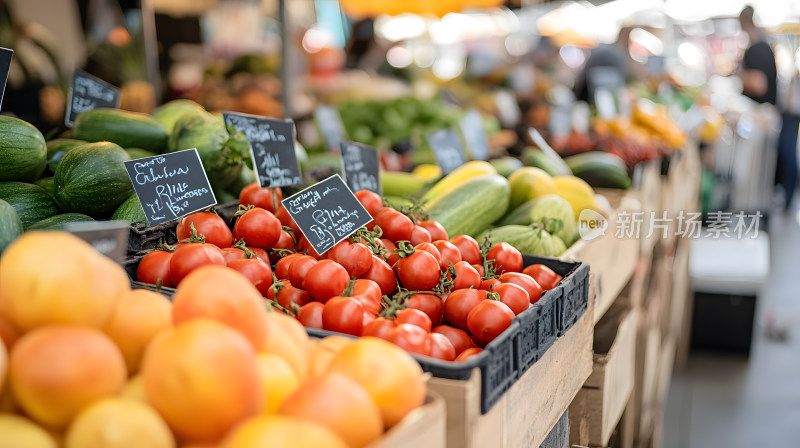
<point x="379" y="328"/>
<point x="466" y="276"/>
<point x="418" y="271"/>
<point x="259" y="228"/>
<point x="489" y="284"/>
<point x="266" y="198"/>
<point x="326" y="279"/>
<point x="469" y="248"/>
<point x="286" y="242"/>
<point x="514" y="296"/>
<point x="299" y="268"/>
<point x="232" y="253"/>
<point x="356" y="258"/>
<point x="155" y="266"/>
<point x="479" y="268"/>
<point x="367" y="318"/>
<point x="431" y="249"/>
<point x="459" y="338"/>
<point x="420" y="235"/>
<point x="414" y="317"/>
<point x="367" y="289"/>
<point x="483" y="294"/>
<point x="370" y="306"/>
<point x="257" y="271"/>
<point x="304" y="246"/>
<point x="544" y="276"/>
<point x="411" y="338"/>
<point x="207" y="224"/>
<point x="395" y="225"/>
<point x="371" y="201"/>
<point x="383" y="275"/>
<point x="288" y="294"/>
<point x="310" y="315"/>
<point x="488" y="319"/>
<point x="526" y="282"/>
<point x="259" y="253"/>
<point x="343" y="314"/>
<point x="287" y="220"/>
<point x="283" y="266"/>
<point x="472" y="351"/>
<point x="391" y="256"/>
<point x="441" y="347"/>
<point x="428" y="304"/>
<point x="448" y="252"/>
<point x="191" y="256"/>
<point x="506" y="258"/>
<point x="458" y="305"/>
<point x="436" y="230"/>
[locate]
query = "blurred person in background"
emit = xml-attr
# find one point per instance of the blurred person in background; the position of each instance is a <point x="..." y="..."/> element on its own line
<point x="760" y="83"/>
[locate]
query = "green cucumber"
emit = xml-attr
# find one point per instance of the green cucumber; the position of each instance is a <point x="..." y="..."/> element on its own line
<point x="168" y="113"/>
<point x="92" y="179"/>
<point x="31" y="202"/>
<point x="396" y="202"/>
<point x="57" y="148"/>
<point x="127" y="129"/>
<point x="472" y="207"/>
<point x="23" y="151"/>
<point x="520" y="216"/>
<point x="395" y="183"/>
<point x="537" y="158"/>
<point x="505" y="166"/>
<point x="130" y="210"/>
<point x="600" y="169"/>
<point x="59" y="222"/>
<point x="10" y="225"/>
<point x="139" y="153"/>
<point x="526" y="239"/>
<point x="48" y="185"/>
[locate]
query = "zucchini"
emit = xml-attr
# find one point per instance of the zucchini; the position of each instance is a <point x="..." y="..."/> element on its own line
<point x="527" y="240"/>
<point x="457" y="178"/>
<point x="127" y="129"/>
<point x="600" y="169"/>
<point x="520" y="216"/>
<point x="537" y="158"/>
<point x="505" y="166"/>
<point x="472" y="207"/>
<point x="23" y="151"/>
<point x="59" y="222"/>
<point x="401" y="184"/>
<point x="31" y="202"/>
<point x="10" y="225"/>
<point x="168" y="113"/>
<point x="57" y="148"/>
<point x="396" y="202"/>
<point x="48" y="185"/>
<point x="130" y="210"/>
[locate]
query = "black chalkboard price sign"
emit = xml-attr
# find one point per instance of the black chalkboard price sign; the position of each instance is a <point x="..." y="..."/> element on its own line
<point x="474" y="135"/>
<point x="5" y="66"/>
<point x="171" y="185"/>
<point x="88" y="92"/>
<point x="327" y="212"/>
<point x="272" y="147"/>
<point x="330" y="126"/>
<point x="447" y="148"/>
<point x="360" y="167"/>
<point x="110" y="238"/>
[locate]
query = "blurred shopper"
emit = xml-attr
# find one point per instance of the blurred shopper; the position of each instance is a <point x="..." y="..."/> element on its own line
<point x="760" y="83"/>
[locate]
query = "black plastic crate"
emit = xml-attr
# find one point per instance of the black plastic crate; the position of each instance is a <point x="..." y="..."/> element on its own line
<point x="559" y="435"/>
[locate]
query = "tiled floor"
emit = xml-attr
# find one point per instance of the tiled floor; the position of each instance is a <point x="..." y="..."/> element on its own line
<point x="721" y="401"/>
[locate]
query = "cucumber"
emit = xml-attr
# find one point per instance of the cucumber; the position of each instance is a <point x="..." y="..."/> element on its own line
<point x="10" y="225"/>
<point x="130" y="210"/>
<point x="139" y="153"/>
<point x="520" y="216"/>
<point x="23" y="151"/>
<point x="527" y="240"/>
<point x="537" y="158"/>
<point x="505" y="166"/>
<point x="127" y="129"/>
<point x="472" y="207"/>
<point x="168" y="113"/>
<point x="396" y="202"/>
<point x="400" y="184"/>
<point x="56" y="150"/>
<point x="31" y="202"/>
<point x="48" y="185"/>
<point x="600" y="169"/>
<point x="91" y="179"/>
<point x="59" y="222"/>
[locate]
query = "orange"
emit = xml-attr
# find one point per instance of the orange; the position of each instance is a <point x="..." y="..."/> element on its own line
<point x="139" y="315"/>
<point x="278" y="381"/>
<point x="287" y="338"/>
<point x="275" y="431"/>
<point x="324" y="350"/>
<point x="16" y="431"/>
<point x="118" y="423"/>
<point x="134" y="389"/>
<point x="8" y="333"/>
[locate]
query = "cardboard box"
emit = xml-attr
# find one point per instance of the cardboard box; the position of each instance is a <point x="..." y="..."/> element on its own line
<point x="424" y="427"/>
<point x="530" y="409"/>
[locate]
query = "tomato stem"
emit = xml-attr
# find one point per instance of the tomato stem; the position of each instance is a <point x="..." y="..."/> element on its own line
<point x="273" y="305"/>
<point x="242" y="210"/>
<point x="194" y="237"/>
<point x="405" y="249"/>
<point x="348" y="292"/>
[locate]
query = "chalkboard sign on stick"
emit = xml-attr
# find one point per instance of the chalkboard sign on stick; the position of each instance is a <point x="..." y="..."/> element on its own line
<point x="327" y="212"/>
<point x="447" y="148"/>
<point x="86" y="93"/>
<point x="171" y="185"/>
<point x="272" y="148"/>
<point x="5" y="66"/>
<point x="110" y="238"/>
<point x="360" y="167"/>
<point x="474" y="135"/>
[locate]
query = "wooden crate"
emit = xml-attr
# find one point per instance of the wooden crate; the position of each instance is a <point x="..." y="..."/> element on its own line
<point x="530" y="409"/>
<point x="599" y="405"/>
<point x="648" y="355"/>
<point x="680" y="289"/>
<point x="649" y="189"/>
<point x="422" y="428"/>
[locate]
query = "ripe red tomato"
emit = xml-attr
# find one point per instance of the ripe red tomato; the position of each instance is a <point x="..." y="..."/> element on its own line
<point x="479" y="268"/>
<point x="488" y="319"/>
<point x="544" y="276"/>
<point x="420" y="235"/>
<point x="232" y="253"/>
<point x="414" y="317"/>
<point x="449" y="253"/>
<point x="428" y="304"/>
<point x="286" y="242"/>
<point x="299" y="268"/>
<point x="207" y="224"/>
<point x="459" y="338"/>
<point x="410" y="338"/>
<point x="367" y="289"/>
<point x="458" y="305"/>
<point x="266" y="198"/>
<point x="431" y="249"/>
<point x="441" y="347"/>
<point x="514" y="296"/>
<point x="155" y="266"/>
<point x="418" y="271"/>
<point x="288" y="294"/>
<point x="258" y="227"/>
<point x="257" y="271"/>
<point x="436" y="230"/>
<point x="310" y="315"/>
<point x="472" y="351"/>
<point x="506" y="258"/>
<point x="343" y="314"/>
<point x="283" y="215"/>
<point x="395" y="225"/>
<point x="469" y="248"/>
<point x="356" y="258"/>
<point x="526" y="282"/>
<point x="191" y="256"/>
<point x="383" y="275"/>
<point x="304" y="246"/>
<point x="283" y="266"/>
<point x="259" y="253"/>
<point x="466" y="276"/>
<point x="371" y="201"/>
<point x="326" y="279"/>
<point x="391" y="256"/>
<point x="370" y="306"/>
<point x="367" y="318"/>
<point x="489" y="284"/>
<point x="379" y="328"/>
